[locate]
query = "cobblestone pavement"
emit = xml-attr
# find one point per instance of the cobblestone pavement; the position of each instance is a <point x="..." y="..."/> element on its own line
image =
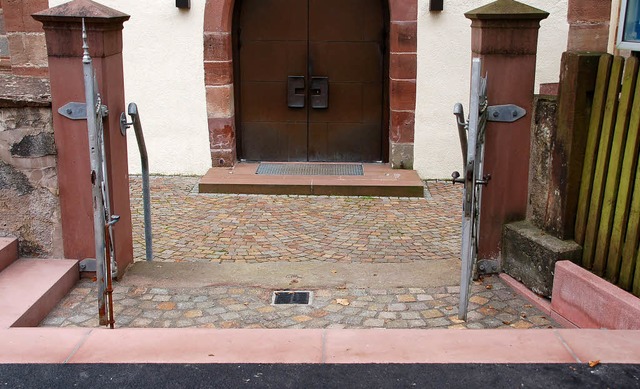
<point x="492" y="305"/>
<point x="217" y="228"/>
<point x="190" y="227"/>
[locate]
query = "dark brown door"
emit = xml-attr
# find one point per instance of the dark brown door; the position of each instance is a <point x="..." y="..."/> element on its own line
<point x="310" y="80"/>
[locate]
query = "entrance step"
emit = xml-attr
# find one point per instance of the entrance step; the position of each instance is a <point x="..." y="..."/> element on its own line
<point x="8" y="252"/>
<point x="377" y="180"/>
<point x="295" y="275"/>
<point x="30" y="288"/>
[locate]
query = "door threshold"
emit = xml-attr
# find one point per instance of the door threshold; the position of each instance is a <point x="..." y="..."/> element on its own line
<point x="376" y="180"/>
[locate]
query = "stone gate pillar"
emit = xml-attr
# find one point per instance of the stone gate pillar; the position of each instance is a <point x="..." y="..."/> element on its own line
<point x="505" y="35"/>
<point x="63" y="31"/>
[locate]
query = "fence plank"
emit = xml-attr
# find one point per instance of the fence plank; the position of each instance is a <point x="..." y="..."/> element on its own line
<point x="630" y="264"/>
<point x="591" y="150"/>
<point x="627" y="174"/>
<point x="602" y="160"/>
<point x="615" y="165"/>
<point x="612" y="182"/>
<point x="636" y="278"/>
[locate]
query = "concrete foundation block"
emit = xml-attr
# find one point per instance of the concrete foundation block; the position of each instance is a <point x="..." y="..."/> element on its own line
<point x="530" y="255"/>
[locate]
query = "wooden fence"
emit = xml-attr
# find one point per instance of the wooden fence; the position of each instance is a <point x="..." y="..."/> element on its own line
<point x="608" y="215"/>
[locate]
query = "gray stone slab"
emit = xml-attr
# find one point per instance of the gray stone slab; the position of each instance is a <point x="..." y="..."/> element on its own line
<point x="529" y="255"/>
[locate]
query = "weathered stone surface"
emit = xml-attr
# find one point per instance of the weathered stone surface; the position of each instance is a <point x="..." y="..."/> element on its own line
<point x="33" y="146"/>
<point x="17" y="91"/>
<point x="14" y="180"/>
<point x="529" y="255"/>
<point x="29" y="205"/>
<point x="401" y="156"/>
<point x="542" y="133"/>
<point x="32" y="120"/>
<point x="34" y="218"/>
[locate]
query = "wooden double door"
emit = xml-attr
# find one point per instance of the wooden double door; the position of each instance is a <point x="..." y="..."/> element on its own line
<point x="310" y="80"/>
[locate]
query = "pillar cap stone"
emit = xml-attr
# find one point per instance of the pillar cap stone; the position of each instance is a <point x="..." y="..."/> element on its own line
<point x="507" y="9"/>
<point x="76" y="9"/>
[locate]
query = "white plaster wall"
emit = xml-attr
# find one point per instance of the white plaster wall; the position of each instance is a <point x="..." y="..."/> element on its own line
<point x="163" y="61"/>
<point x="164" y="75"/>
<point x="444" y="63"/>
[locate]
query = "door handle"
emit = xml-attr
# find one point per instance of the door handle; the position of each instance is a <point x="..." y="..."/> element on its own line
<point x="295" y="92"/>
<point x="319" y="92"/>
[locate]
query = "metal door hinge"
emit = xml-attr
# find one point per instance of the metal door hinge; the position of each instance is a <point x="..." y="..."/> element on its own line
<point x="78" y="111"/>
<point x="507" y="113"/>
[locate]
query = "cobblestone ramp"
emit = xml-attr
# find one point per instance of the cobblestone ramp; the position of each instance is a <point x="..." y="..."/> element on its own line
<point x="192" y="227"/>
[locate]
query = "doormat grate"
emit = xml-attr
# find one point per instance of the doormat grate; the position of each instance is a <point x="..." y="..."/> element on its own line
<point x="290" y="297"/>
<point x="311" y="169"/>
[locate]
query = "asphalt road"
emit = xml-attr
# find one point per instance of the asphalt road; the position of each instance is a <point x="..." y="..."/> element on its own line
<point x="465" y="376"/>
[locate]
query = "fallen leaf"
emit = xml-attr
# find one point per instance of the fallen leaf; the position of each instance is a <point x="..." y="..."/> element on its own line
<point x="342" y="301"/>
<point x="594" y="363"/>
<point x="246" y="303"/>
<point x="506" y="322"/>
<point x="528" y="306"/>
<point x="489" y="287"/>
<point x="523" y="315"/>
<point x="448" y="308"/>
<point x="212" y="355"/>
<point x="334" y="271"/>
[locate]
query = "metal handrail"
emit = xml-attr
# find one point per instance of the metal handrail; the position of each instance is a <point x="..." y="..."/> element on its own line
<point x="144" y="160"/>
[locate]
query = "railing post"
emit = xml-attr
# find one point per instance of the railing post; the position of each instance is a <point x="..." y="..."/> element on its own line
<point x="63" y="31"/>
<point x="505" y="35"/>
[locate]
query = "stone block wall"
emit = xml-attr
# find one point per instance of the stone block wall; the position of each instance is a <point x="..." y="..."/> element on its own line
<point x="5" y="59"/>
<point x="29" y="203"/>
<point x="588" y="25"/>
<point x="25" y="37"/>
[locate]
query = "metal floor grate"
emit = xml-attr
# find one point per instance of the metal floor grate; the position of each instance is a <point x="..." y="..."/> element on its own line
<point x="311" y="169"/>
<point x="291" y="297"/>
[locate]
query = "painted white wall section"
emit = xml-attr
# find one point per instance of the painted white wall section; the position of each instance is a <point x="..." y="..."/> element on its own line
<point x="164" y="75"/>
<point x="444" y="66"/>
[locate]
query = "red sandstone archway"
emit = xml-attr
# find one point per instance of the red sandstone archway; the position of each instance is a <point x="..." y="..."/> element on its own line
<point x="218" y="68"/>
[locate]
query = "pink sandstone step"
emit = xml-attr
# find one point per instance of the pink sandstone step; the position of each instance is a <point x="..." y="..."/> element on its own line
<point x="588" y="301"/>
<point x="8" y="251"/>
<point x="200" y="345"/>
<point x="30" y="288"/>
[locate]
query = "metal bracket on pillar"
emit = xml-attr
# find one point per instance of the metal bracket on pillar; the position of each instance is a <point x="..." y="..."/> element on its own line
<point x="488" y="266"/>
<point x="88" y="264"/>
<point x="508" y="113"/>
<point x="78" y="111"/>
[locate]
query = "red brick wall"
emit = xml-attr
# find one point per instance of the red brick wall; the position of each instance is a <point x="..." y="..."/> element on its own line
<point x="218" y="65"/>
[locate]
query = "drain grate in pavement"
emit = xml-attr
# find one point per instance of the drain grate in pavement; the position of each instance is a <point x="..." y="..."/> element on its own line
<point x="311" y="169"/>
<point x="291" y="297"/>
